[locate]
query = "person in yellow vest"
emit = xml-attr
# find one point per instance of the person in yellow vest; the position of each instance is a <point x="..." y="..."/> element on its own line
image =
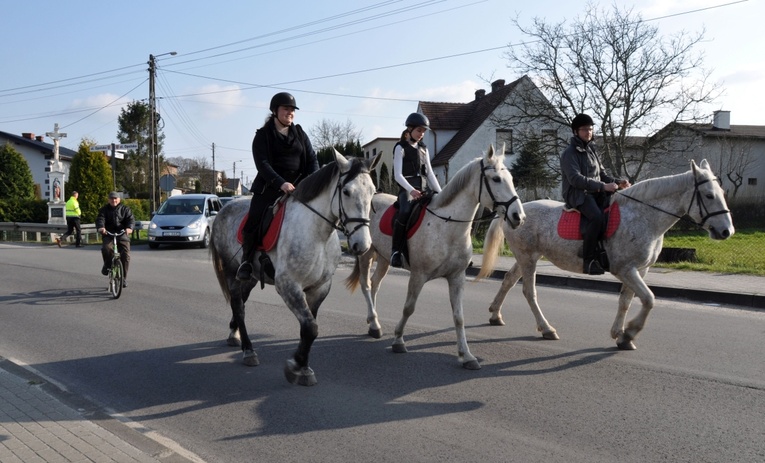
<point x="72" y="220"/>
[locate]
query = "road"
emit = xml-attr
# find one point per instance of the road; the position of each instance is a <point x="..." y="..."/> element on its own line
<point x="694" y="391"/>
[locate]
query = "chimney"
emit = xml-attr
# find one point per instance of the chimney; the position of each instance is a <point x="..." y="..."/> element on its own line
<point x="480" y="94"/>
<point x="28" y="135"/>
<point x="721" y="120"/>
<point x="39" y="138"/>
<point x="497" y="84"/>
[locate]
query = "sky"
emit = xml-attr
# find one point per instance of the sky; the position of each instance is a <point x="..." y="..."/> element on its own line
<point x="364" y="61"/>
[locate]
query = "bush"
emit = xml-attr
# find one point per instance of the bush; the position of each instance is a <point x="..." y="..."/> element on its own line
<point x="24" y="210"/>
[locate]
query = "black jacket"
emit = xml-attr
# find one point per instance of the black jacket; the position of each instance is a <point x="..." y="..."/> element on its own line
<point x="582" y="172"/>
<point x="115" y="219"/>
<point x="281" y="159"/>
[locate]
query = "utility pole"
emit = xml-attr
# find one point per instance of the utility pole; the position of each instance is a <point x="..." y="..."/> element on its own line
<point x="214" y="177"/>
<point x="153" y="149"/>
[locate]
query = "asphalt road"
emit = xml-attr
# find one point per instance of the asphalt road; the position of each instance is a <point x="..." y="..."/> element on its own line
<point x="694" y="391"/>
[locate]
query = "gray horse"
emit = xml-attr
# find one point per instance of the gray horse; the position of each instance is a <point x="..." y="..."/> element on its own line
<point x="647" y="209"/>
<point x="337" y="197"/>
<point x="441" y="246"/>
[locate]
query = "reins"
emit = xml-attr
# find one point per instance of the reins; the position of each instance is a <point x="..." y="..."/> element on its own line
<point x="495" y="204"/>
<point x="695" y="196"/>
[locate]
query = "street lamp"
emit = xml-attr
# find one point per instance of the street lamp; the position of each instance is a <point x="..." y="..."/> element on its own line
<point x="153" y="154"/>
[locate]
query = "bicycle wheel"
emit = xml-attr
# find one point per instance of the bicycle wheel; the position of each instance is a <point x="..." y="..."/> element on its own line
<point x="115" y="278"/>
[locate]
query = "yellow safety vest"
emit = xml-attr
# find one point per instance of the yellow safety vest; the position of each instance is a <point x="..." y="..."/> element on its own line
<point x="73" y="207"/>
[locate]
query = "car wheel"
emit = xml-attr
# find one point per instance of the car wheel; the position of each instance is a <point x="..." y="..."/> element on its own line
<point x="153" y="245"/>
<point x="205" y="240"/>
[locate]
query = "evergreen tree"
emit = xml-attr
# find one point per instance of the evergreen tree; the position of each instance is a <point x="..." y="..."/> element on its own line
<point x="135" y="127"/>
<point x="90" y="176"/>
<point x="385" y="180"/>
<point x="530" y="171"/>
<point x="16" y="181"/>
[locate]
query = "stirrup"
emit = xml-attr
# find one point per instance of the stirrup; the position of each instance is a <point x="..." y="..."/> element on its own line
<point x="396" y="259"/>
<point x="593" y="268"/>
<point x="244" y="272"/>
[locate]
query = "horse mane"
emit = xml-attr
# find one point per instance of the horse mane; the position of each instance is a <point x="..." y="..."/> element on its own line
<point x="316" y="183"/>
<point x="455" y="185"/>
<point x="654" y="188"/>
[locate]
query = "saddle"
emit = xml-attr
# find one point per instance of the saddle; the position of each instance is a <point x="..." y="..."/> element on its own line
<point x="412" y="225"/>
<point x="570" y="223"/>
<point x="270" y="227"/>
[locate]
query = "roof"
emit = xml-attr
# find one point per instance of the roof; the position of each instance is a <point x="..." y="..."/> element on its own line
<point x="465" y="118"/>
<point x="46" y="148"/>
<point x="738" y="131"/>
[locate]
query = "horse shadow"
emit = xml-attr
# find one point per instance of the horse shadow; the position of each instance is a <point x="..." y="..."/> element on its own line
<point x="360" y="381"/>
<point x="58" y="296"/>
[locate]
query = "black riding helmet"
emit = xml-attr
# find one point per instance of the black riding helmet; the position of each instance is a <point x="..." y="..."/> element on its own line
<point x="417" y="120"/>
<point x="282" y="99"/>
<point x="581" y="120"/>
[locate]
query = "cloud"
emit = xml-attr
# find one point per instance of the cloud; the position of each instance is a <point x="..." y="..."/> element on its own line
<point x="218" y="101"/>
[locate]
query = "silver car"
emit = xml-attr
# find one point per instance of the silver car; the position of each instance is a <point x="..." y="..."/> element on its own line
<point x="184" y="219"/>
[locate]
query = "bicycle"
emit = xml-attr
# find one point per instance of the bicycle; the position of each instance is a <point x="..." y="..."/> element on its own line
<point x="116" y="271"/>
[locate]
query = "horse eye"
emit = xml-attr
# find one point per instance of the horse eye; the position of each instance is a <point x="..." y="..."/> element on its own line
<point x="497" y="180"/>
<point x="346" y="192"/>
<point x="710" y="196"/>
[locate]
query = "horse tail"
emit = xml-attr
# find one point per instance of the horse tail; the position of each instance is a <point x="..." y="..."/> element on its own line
<point x="495" y="236"/>
<point x="352" y="282"/>
<point x="220" y="271"/>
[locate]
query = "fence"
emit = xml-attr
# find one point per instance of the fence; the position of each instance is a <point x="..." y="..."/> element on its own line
<point x="46" y="232"/>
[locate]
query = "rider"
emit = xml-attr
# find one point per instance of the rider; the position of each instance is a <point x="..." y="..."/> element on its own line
<point x="586" y="186"/>
<point x="113" y="218"/>
<point x="411" y="161"/>
<point x="283" y="155"/>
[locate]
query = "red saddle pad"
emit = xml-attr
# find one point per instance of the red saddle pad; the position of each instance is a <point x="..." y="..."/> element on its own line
<point x="386" y="223"/>
<point x="272" y="235"/>
<point x="568" y="224"/>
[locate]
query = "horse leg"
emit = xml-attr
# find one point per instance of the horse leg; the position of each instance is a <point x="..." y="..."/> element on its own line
<point x="369" y="289"/>
<point x="495" y="309"/>
<point x="416" y="282"/>
<point x="250" y="358"/>
<point x="530" y="292"/>
<point x="296" y="369"/>
<point x="456" y="284"/>
<point x="632" y="284"/>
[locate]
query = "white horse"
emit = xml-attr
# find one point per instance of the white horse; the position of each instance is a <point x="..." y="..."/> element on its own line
<point x="648" y="209"/>
<point x="306" y="254"/>
<point x="441" y="246"/>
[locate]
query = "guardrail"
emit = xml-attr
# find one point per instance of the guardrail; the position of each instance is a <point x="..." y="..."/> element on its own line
<point x="47" y="232"/>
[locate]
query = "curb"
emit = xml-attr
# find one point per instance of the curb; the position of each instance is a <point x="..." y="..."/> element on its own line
<point x="753" y="301"/>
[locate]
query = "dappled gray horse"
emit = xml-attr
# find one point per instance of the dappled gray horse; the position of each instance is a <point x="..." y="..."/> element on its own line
<point x="337" y="197"/>
<point x="647" y="210"/>
<point x="441" y="246"/>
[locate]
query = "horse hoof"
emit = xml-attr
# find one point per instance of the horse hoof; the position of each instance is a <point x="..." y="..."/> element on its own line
<point x="250" y="359"/>
<point x="302" y="376"/>
<point x="496" y="322"/>
<point x="551" y="336"/>
<point x="375" y="333"/>
<point x="471" y="365"/>
<point x="234" y="342"/>
<point x="626" y="345"/>
<point x="398" y="348"/>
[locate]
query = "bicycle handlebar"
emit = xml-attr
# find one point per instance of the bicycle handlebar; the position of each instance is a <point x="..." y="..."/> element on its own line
<point x="114" y="234"/>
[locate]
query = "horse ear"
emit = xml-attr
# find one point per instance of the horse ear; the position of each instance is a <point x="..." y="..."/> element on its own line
<point x="374" y="161"/>
<point x="704" y="164"/>
<point x="343" y="163"/>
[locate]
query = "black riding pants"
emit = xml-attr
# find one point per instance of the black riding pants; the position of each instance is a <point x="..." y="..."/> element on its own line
<point x="402" y="217"/>
<point x="592" y="212"/>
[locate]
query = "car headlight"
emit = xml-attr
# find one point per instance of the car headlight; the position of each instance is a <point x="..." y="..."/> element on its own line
<point x="194" y="225"/>
<point x="152" y="226"/>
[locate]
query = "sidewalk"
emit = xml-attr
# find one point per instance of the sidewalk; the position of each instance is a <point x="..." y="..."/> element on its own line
<point x="715" y="288"/>
<point x="40" y="423"/>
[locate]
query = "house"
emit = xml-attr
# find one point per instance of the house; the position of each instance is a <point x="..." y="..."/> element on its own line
<point x="39" y="156"/>
<point x="384" y="146"/>
<point x="735" y="152"/>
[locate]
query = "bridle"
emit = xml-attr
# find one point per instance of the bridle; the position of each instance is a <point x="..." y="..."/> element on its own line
<point x="696" y="196"/>
<point x="495" y="204"/>
<point x="343" y="217"/>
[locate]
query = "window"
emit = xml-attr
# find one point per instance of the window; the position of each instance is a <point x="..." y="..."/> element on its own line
<point x="752" y="181"/>
<point x="505" y="136"/>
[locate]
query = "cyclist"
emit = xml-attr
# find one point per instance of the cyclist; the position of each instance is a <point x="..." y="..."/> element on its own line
<point x="115" y="217"/>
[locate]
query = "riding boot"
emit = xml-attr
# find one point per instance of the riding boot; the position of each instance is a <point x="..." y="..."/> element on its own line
<point x="399" y="239"/>
<point x="591" y="262"/>
<point x="244" y="272"/>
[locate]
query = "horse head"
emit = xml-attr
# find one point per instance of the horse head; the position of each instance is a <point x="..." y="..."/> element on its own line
<point x="354" y="193"/>
<point x="711" y="210"/>
<point x="498" y="181"/>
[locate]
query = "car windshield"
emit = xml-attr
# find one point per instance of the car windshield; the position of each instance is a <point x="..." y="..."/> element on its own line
<point x="181" y="207"/>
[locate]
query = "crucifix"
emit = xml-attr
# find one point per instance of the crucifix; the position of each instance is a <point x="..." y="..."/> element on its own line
<point x="56" y="136"/>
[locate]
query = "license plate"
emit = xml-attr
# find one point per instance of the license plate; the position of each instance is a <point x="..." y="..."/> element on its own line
<point x="171" y="234"/>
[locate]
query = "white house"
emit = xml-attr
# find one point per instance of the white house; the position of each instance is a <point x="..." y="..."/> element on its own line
<point x="38" y="155"/>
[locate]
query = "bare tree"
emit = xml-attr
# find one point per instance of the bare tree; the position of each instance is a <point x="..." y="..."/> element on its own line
<point x="327" y="133"/>
<point x="618" y="69"/>
<point x="735" y="160"/>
